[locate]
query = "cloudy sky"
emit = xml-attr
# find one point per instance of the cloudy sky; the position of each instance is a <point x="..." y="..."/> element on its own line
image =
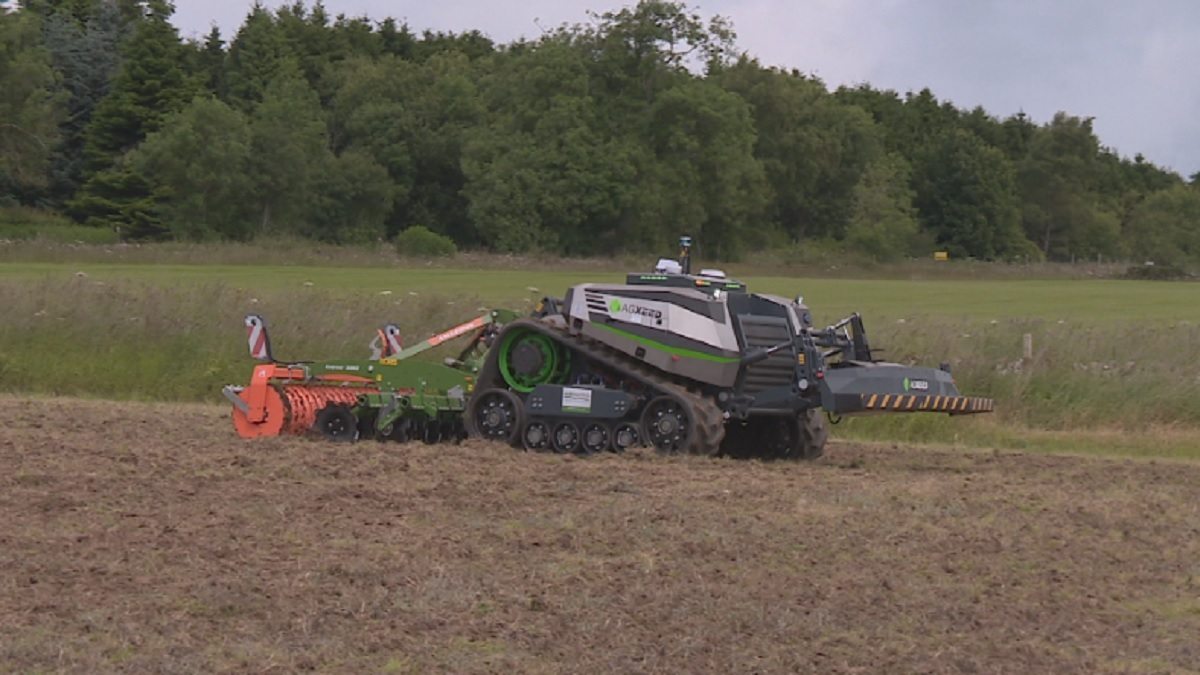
<point x="1132" y="65"/>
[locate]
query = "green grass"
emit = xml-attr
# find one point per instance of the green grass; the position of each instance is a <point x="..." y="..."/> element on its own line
<point x="1116" y="364"/>
<point x="1093" y="301"/>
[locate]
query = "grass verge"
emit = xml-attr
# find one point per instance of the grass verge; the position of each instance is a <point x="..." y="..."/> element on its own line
<point x="1093" y="384"/>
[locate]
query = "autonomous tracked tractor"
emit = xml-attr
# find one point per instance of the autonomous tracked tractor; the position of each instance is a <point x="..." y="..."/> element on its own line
<point x="689" y="363"/>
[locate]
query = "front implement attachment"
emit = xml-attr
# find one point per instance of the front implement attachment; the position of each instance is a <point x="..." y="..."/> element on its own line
<point x="854" y="383"/>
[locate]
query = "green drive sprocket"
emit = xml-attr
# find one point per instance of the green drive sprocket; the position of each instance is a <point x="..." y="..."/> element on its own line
<point x="527" y="359"/>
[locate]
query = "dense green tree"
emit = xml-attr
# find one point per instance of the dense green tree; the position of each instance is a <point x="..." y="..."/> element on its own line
<point x="967" y="198"/>
<point x="883" y="222"/>
<point x="257" y="53"/>
<point x="75" y="11"/>
<point x="371" y="112"/>
<point x="471" y="44"/>
<point x="644" y="48"/>
<point x="354" y="200"/>
<point x="1165" y="228"/>
<point x="1061" y="211"/>
<point x="614" y="134"/>
<point x="910" y="124"/>
<point x="444" y="107"/>
<point x="31" y="107"/>
<point x="396" y="40"/>
<point x="289" y="153"/>
<point x="543" y="173"/>
<point x="210" y="63"/>
<point x="813" y="148"/>
<point x="150" y="84"/>
<point x="556" y="186"/>
<point x="705" y="179"/>
<point x="200" y="163"/>
<point x="85" y="55"/>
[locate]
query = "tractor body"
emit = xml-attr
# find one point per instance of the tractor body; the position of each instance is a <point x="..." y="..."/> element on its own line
<point x="690" y="363"/>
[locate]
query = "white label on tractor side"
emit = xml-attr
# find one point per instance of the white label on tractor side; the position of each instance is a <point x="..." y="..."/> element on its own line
<point x="576" y="400"/>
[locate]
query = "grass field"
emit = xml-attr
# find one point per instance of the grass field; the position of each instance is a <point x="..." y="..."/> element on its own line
<point x="1116" y="365"/>
<point x="1093" y="301"/>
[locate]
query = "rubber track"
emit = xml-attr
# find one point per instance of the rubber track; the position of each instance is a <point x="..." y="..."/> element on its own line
<point x="707" y="419"/>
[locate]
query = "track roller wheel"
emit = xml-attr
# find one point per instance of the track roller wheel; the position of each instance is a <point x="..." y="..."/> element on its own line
<point x="496" y="415"/>
<point x="666" y="425"/>
<point x="536" y="436"/>
<point x="595" y="438"/>
<point x="337" y="423"/>
<point x="625" y="436"/>
<point x="565" y="438"/>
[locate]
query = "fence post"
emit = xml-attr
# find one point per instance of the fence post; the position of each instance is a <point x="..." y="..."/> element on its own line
<point x="1028" y="347"/>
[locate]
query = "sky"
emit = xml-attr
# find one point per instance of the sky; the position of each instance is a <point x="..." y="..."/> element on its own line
<point x="1124" y="63"/>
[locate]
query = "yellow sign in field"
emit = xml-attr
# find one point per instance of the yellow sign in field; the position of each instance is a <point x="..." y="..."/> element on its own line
<point x="941" y="255"/>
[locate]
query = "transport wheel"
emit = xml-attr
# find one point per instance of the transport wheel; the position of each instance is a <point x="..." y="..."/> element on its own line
<point x="565" y="438"/>
<point x="337" y="423"/>
<point x="666" y="425"/>
<point x="595" y="438"/>
<point x="536" y="436"/>
<point x="496" y="415"/>
<point x="625" y="436"/>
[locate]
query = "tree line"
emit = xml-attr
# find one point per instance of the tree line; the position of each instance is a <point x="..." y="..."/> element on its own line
<point x="611" y="135"/>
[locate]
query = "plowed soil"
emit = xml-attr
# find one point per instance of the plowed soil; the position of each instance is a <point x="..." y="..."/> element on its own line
<point x="148" y="538"/>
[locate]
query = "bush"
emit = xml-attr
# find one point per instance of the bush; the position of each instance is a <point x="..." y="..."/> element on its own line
<point x="18" y="222"/>
<point x="419" y="241"/>
<point x="1150" y="272"/>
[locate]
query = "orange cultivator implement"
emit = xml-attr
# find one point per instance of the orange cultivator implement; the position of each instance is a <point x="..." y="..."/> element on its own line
<point x="389" y="395"/>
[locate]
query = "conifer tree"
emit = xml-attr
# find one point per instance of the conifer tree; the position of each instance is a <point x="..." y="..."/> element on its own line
<point x="150" y="84"/>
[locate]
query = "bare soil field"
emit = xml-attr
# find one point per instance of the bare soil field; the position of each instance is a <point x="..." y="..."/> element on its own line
<point x="148" y="538"/>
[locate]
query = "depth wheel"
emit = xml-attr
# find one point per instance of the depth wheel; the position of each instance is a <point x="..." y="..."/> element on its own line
<point x="626" y="436"/>
<point x="433" y="433"/>
<point x="565" y="438"/>
<point x="536" y="436"/>
<point x="595" y="438"/>
<point x="666" y="425"/>
<point x="496" y="415"/>
<point x="337" y="423"/>
<point x="400" y="433"/>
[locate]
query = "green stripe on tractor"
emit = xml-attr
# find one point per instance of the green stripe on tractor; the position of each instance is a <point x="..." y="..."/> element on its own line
<point x="677" y="351"/>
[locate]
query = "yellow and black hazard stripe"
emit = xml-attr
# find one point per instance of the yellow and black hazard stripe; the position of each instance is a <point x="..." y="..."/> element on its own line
<point x="956" y="405"/>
